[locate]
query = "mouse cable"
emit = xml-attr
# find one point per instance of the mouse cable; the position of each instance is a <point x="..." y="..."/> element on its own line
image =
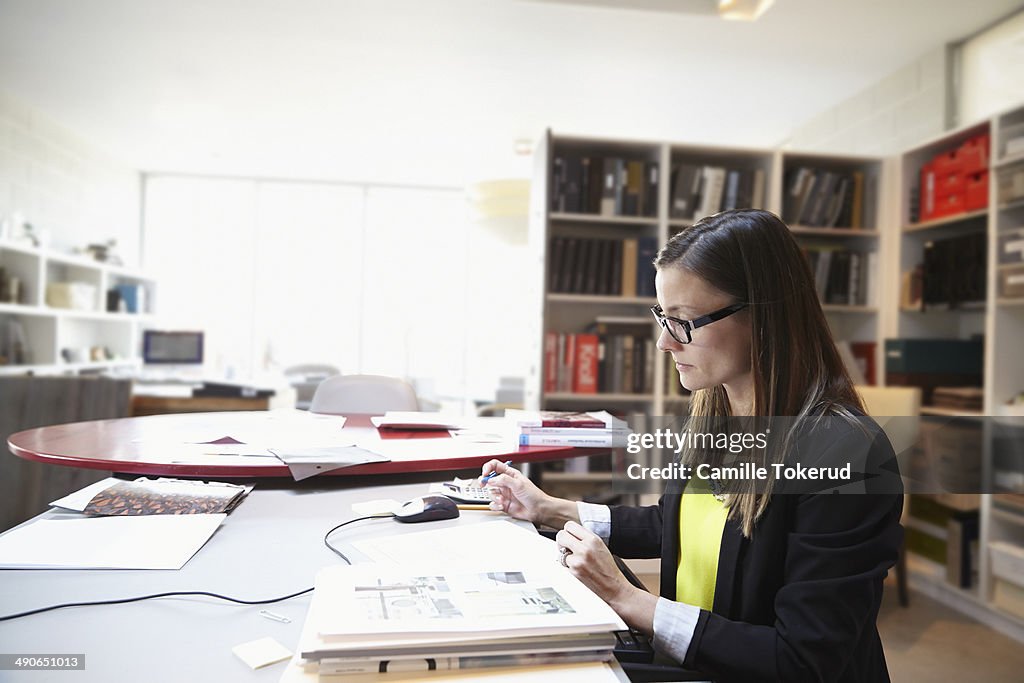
<point x="357" y="519"/>
<point x="120" y="601"/>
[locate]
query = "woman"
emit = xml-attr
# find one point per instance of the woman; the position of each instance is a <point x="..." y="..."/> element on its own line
<point x="757" y="584"/>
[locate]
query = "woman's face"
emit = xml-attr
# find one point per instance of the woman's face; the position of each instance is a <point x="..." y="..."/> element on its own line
<point x="720" y="351"/>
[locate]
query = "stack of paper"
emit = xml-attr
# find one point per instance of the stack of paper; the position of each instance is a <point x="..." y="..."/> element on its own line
<point x="409" y="420"/>
<point x="370" y="619"/>
<point x="557" y="428"/>
<point x="127" y="542"/>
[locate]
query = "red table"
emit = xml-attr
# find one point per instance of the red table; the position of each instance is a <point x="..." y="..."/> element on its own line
<point x="145" y="445"/>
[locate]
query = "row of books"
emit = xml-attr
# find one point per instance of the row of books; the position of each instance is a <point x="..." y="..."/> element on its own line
<point x="824" y="199"/>
<point x="699" y="191"/>
<point x="606" y="186"/>
<point x="610" y="267"/>
<point x="586" y="363"/>
<point x="599" y="429"/>
<point x="953" y="271"/>
<point x="843" y="276"/>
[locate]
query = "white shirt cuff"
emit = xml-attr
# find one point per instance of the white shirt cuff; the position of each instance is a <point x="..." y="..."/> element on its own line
<point x="674" y="624"/>
<point x="596" y="518"/>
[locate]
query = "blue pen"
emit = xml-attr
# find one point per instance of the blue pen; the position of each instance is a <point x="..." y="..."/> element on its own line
<point x="508" y="463"/>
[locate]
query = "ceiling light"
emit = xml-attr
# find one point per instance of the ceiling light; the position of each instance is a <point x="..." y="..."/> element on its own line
<point x="743" y="10"/>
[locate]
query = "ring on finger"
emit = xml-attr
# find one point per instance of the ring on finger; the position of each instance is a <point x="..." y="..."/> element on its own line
<point x="565" y="557"/>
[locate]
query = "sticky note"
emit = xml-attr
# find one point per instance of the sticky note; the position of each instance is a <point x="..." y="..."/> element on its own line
<point x="376" y="507"/>
<point x="262" y="652"/>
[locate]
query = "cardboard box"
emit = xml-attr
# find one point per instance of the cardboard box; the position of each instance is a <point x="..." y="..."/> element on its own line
<point x="1007" y="561"/>
<point x="1011" y="184"/>
<point x="1011" y="282"/>
<point x="1011" y="246"/>
<point x="79" y="296"/>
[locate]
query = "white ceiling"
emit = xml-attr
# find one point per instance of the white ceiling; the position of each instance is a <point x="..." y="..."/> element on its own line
<point x="437" y="91"/>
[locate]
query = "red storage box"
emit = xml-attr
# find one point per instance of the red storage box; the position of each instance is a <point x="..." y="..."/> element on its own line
<point x="973" y="154"/>
<point x="953" y="183"/>
<point x="946" y="163"/>
<point x="977" y="191"/>
<point x="949" y="205"/>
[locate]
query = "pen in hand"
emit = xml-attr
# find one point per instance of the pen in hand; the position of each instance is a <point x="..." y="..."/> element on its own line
<point x="491" y="475"/>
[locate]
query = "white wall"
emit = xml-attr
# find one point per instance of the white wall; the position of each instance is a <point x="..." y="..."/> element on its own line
<point x="63" y="186"/>
<point x="900" y="111"/>
<point x="992" y="70"/>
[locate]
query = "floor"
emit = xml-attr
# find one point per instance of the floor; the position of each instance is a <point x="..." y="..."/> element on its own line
<point x="929" y="641"/>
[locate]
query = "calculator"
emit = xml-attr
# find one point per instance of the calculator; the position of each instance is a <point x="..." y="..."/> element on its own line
<point x="462" y="491"/>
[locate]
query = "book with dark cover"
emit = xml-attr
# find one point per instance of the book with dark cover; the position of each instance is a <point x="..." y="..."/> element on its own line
<point x="647" y="249"/>
<point x="615" y="261"/>
<point x="568" y="264"/>
<point x="579" y="275"/>
<point x="652" y="177"/>
<point x="573" y="183"/>
<point x="555" y="258"/>
<point x="685" y="192"/>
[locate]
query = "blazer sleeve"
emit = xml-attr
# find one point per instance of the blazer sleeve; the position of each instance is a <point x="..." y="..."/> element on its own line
<point x="838" y="550"/>
<point x="636" y="531"/>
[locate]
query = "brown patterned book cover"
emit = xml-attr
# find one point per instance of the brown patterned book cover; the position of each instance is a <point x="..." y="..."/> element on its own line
<point x="166" y="497"/>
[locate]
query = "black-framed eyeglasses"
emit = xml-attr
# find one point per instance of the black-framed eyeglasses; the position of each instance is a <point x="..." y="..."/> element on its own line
<point x="680" y="329"/>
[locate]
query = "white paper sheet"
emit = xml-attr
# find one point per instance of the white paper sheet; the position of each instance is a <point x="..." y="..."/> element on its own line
<point x="132" y="542"/>
<point x="498" y="543"/>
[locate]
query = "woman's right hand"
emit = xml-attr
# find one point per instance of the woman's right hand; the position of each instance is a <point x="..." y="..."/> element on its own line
<point x="513" y="493"/>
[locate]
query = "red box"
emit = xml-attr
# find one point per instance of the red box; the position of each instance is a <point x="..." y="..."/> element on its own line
<point x="977" y="191"/>
<point x="953" y="183"/>
<point x="973" y="154"/>
<point x="949" y="205"/>
<point x="947" y="163"/>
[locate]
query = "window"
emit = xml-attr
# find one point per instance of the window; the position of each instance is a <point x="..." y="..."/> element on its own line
<point x="380" y="280"/>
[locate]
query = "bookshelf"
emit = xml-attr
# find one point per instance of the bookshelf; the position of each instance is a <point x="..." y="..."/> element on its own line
<point x="59" y="339"/>
<point x="1002" y="513"/>
<point x="928" y="307"/>
<point x="571" y="203"/>
<point x="972" y="211"/>
<point x="832" y="204"/>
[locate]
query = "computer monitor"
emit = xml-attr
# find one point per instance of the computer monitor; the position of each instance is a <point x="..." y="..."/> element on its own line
<point x="178" y="348"/>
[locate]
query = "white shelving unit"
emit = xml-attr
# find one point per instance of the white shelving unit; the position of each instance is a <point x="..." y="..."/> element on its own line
<point x="1000" y="319"/>
<point x="1002" y="514"/>
<point x="49" y="331"/>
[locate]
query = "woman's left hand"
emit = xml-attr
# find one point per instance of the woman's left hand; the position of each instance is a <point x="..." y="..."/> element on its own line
<point x="591" y="562"/>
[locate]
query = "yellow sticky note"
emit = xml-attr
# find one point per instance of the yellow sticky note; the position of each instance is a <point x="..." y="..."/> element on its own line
<point x="262" y="652"/>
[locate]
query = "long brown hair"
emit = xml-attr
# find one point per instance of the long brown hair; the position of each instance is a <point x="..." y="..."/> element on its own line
<point x="750" y="255"/>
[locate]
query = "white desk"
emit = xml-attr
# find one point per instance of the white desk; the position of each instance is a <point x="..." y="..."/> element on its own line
<point x="271" y="545"/>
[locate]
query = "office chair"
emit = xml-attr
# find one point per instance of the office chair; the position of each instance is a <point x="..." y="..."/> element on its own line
<point x="904" y="403"/>
<point x="370" y="394"/>
<point x="305" y="379"/>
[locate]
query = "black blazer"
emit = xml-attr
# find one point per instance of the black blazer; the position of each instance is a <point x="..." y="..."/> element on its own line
<point x="798" y="600"/>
